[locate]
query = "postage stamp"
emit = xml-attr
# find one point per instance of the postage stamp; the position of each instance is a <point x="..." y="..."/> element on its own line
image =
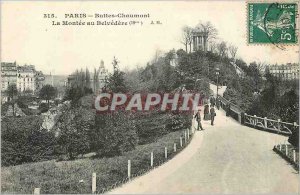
<point x="273" y="23"/>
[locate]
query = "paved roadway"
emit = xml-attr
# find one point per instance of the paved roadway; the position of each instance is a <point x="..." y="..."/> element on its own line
<point x="225" y="158"/>
<point x="213" y="87"/>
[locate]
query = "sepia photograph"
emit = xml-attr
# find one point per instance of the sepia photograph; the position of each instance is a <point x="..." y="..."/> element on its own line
<point x="149" y="97"/>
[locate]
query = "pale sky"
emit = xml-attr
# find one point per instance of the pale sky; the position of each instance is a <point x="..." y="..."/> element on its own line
<point x="28" y="38"/>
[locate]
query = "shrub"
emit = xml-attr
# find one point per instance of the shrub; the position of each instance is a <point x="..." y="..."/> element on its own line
<point x="75" y="127"/>
<point x="43" y="107"/>
<point x="294" y="138"/>
<point x="23" y="141"/>
<point x="115" y="133"/>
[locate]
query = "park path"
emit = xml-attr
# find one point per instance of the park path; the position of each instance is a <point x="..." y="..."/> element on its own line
<point x="225" y="158"/>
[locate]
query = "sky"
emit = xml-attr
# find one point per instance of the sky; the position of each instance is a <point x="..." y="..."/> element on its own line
<point x="29" y="38"/>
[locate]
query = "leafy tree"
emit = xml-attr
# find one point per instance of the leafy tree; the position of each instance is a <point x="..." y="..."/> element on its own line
<point x="28" y="92"/>
<point x="74" y="93"/>
<point x="23" y="140"/>
<point x="115" y="133"/>
<point x="116" y="81"/>
<point x="254" y="71"/>
<point x="74" y="129"/>
<point x="43" y="107"/>
<point x="12" y="92"/>
<point x="289" y="106"/>
<point x="294" y="138"/>
<point x="48" y="92"/>
<point x="243" y="65"/>
<point x="202" y="85"/>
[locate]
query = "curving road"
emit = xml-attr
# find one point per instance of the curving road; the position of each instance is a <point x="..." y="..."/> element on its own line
<point x="225" y="158"/>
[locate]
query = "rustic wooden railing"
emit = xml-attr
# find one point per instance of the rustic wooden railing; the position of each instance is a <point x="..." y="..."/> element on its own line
<point x="263" y="123"/>
<point x="269" y="124"/>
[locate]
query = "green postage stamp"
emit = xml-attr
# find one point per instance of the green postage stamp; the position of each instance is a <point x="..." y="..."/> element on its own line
<point x="273" y="23"/>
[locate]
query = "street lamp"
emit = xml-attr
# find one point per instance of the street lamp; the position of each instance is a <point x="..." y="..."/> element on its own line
<point x="217" y="73"/>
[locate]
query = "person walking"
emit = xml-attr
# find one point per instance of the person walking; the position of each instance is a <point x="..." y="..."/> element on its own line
<point x="212" y="101"/>
<point x="212" y="114"/>
<point x="198" y="119"/>
<point x="218" y="103"/>
<point x="206" y="113"/>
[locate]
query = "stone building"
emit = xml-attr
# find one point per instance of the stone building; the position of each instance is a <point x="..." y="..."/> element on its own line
<point x="286" y="72"/>
<point x="26" y="78"/>
<point x="198" y="41"/>
<point x="98" y="80"/>
<point x="8" y="74"/>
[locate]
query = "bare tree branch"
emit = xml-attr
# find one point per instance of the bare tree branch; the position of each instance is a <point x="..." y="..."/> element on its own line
<point x="187" y="37"/>
<point x="232" y="49"/>
<point x="222" y="49"/>
<point x="212" y="46"/>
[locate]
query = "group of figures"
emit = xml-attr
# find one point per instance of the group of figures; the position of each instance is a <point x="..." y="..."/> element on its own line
<point x="209" y="111"/>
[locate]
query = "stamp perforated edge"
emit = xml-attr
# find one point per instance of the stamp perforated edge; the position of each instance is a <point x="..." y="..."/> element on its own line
<point x="268" y="44"/>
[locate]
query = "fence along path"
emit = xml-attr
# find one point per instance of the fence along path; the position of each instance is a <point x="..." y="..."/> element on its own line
<point x="224" y="158"/>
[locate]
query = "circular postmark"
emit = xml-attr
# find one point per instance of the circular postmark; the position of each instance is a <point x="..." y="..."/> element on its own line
<point x="279" y="24"/>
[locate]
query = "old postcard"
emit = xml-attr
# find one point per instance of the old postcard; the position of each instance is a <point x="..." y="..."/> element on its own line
<point x="149" y="97"/>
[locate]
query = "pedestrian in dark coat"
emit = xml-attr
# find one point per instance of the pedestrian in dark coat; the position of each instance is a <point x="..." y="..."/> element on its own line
<point x="212" y="114"/>
<point x="212" y="101"/>
<point x="206" y="112"/>
<point x="218" y="103"/>
<point x="198" y="119"/>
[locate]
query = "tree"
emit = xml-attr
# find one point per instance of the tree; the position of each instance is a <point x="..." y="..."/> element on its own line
<point x="212" y="46"/>
<point x="115" y="133"/>
<point x="11" y="93"/>
<point x="222" y="49"/>
<point x="116" y="81"/>
<point x="87" y="78"/>
<point x="209" y="31"/>
<point x="48" y="92"/>
<point x="255" y="71"/>
<point x="43" y="107"/>
<point x="27" y="92"/>
<point x="232" y="49"/>
<point x="96" y="79"/>
<point x="23" y="140"/>
<point x="75" y="127"/>
<point x="187" y="37"/>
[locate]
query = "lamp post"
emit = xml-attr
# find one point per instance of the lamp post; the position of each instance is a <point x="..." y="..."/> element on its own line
<point x="217" y="73"/>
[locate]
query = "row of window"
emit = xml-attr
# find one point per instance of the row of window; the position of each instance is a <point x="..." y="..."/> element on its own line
<point x="288" y="75"/>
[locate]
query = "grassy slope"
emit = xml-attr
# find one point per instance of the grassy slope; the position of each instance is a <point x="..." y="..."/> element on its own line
<point x="63" y="177"/>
